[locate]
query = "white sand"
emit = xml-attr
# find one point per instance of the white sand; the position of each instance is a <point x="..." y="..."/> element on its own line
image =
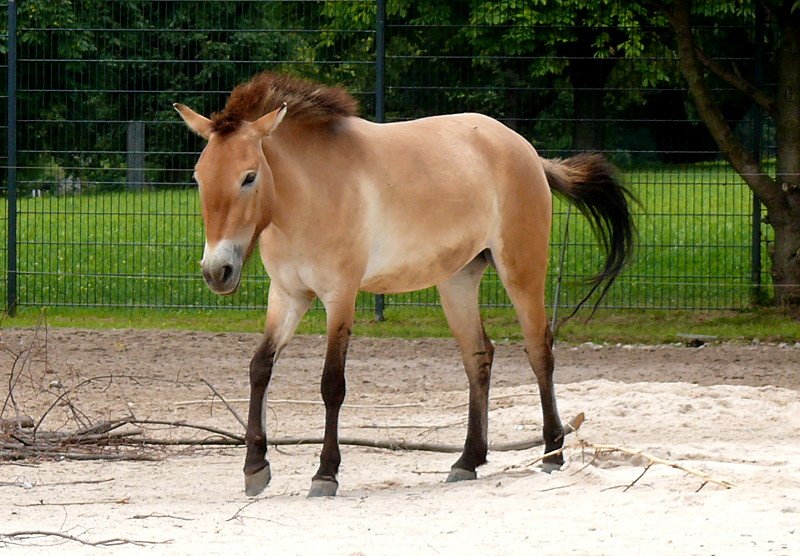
<point x="396" y="503"/>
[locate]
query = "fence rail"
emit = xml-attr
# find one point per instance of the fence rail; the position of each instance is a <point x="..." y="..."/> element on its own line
<point x="99" y="209"/>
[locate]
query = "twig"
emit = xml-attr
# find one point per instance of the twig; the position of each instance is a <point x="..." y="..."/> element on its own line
<point x="636" y="480"/>
<point x="402" y="445"/>
<point x="538" y="459"/>
<point x="425" y="428"/>
<point x="106" y="542"/>
<point x="85" y="503"/>
<point x="243" y="508"/>
<point x="66" y="393"/>
<point x="653" y="460"/>
<point x="229" y="406"/>
<point x="184" y="424"/>
<point x="307" y="402"/>
<point x="250" y="503"/>
<point x="494" y="399"/>
<point x="55" y="452"/>
<point x="12" y="380"/>
<point x="30" y="485"/>
<point x="351" y="405"/>
<point x="147" y="516"/>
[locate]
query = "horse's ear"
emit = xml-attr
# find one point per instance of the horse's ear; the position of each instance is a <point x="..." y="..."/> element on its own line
<point x="197" y="123"/>
<point x="265" y="125"/>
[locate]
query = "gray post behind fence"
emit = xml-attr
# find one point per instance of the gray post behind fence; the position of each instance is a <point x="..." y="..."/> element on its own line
<point x="11" y="293"/>
<point x="135" y="157"/>
<point x="380" y="92"/>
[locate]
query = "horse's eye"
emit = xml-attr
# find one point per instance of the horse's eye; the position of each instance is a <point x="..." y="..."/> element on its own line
<point x="249" y="179"/>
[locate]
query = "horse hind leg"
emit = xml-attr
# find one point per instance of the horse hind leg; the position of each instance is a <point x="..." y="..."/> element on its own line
<point x="459" y="296"/>
<point x="540" y="356"/>
<point x="523" y="277"/>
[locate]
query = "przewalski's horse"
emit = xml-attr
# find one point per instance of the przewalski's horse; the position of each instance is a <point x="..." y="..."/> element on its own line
<point x="338" y="204"/>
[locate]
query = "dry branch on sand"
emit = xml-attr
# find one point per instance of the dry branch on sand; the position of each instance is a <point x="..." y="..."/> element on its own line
<point x="9" y="538"/>
<point x="600" y="450"/>
<point x="130" y="438"/>
<point x="89" y="443"/>
<point x="604" y="449"/>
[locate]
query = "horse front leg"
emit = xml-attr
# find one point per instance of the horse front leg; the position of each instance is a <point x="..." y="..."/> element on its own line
<point x="257" y="473"/>
<point x="332" y="387"/>
<point x="283" y="315"/>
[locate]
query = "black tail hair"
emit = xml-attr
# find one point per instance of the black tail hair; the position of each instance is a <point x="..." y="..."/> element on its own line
<point x="589" y="182"/>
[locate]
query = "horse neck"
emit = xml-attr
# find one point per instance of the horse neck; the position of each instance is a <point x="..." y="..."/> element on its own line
<point x="298" y="155"/>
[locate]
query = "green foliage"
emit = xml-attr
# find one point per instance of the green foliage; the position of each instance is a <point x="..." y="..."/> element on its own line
<point x="93" y="65"/>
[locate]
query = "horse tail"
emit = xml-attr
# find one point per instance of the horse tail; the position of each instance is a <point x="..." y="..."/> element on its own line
<point x="589" y="182"/>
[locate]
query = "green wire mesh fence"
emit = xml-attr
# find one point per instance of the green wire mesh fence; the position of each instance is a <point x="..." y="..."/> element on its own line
<point x="106" y="213"/>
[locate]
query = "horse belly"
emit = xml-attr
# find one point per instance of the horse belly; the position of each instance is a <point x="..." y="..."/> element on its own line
<point x="400" y="268"/>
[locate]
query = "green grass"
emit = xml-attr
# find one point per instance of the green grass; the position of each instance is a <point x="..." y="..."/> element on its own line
<point x="648" y="327"/>
<point x="141" y="249"/>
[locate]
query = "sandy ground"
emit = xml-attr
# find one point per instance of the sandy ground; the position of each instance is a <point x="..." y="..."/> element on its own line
<point x="730" y="411"/>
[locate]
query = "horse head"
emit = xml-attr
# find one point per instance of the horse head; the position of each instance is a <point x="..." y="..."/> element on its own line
<point x="236" y="193"/>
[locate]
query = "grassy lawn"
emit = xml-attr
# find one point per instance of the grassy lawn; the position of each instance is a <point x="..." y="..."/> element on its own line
<point x="628" y="326"/>
<point x="140" y="249"/>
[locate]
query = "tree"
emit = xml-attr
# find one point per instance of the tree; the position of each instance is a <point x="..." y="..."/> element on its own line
<point x="93" y="65"/>
<point x="577" y="45"/>
<point x="780" y="193"/>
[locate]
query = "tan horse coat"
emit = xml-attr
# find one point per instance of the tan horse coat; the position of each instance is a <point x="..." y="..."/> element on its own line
<point x="338" y="204"/>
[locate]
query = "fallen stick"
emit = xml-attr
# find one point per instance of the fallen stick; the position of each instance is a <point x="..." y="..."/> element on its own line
<point x="184" y="424"/>
<point x="73" y="438"/>
<point x="229" y="406"/>
<point x="655" y="460"/>
<point x="147" y="516"/>
<point x="307" y="402"/>
<point x="401" y="445"/>
<point x="395" y="445"/>
<point x="56" y="452"/>
<point x="348" y="405"/>
<point x="226" y="438"/>
<point x="86" y="503"/>
<point x="20" y="535"/>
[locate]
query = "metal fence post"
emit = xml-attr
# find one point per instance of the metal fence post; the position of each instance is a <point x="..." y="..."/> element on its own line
<point x="380" y="92"/>
<point x="11" y="299"/>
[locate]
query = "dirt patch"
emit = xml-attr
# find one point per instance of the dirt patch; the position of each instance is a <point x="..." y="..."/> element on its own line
<point x="729" y="410"/>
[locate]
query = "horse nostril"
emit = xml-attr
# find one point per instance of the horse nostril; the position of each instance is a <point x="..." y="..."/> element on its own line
<point x="227" y="272"/>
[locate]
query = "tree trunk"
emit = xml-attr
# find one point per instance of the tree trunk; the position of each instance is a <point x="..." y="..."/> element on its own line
<point x="781" y="196"/>
<point x="588" y="127"/>
<point x="785" y="255"/>
<point x="786" y="222"/>
<point x="588" y="76"/>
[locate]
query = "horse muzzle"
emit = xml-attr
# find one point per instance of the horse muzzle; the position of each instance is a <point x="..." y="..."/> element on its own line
<point x="222" y="267"/>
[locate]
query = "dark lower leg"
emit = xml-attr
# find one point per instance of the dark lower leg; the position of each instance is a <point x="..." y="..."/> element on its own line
<point x="256" y="435"/>
<point x="542" y="363"/>
<point x="333" y="393"/>
<point x="479" y="368"/>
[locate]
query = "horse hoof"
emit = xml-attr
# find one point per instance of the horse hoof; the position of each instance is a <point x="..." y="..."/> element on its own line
<point x="254" y="484"/>
<point x="550" y="467"/>
<point x="553" y="463"/>
<point x="457" y="474"/>
<point x="322" y="487"/>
